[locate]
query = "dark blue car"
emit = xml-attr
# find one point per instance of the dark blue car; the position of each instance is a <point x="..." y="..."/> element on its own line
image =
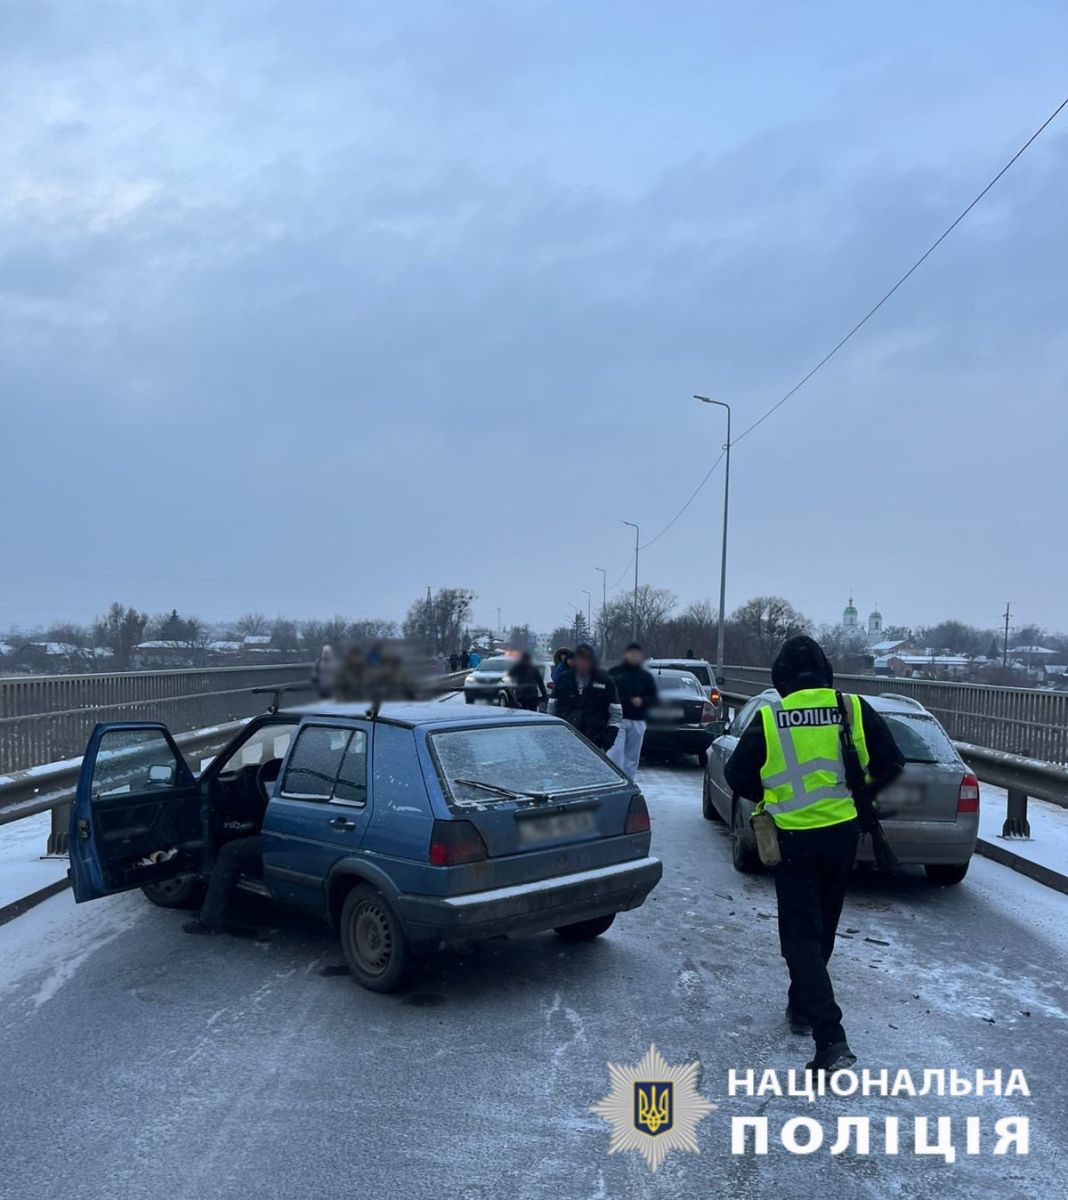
<point x="407" y="830"/>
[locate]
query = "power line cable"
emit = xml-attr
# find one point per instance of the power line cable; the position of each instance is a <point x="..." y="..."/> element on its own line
<point x="858" y="326"/>
<point x="918" y="263"/>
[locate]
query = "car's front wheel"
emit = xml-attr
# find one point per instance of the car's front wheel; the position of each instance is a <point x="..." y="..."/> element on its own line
<point x="372" y="940"/>
<point x="744" y="857"/>
<point x="469" y="698"/>
<point x="183" y="891"/>
<point x="946" y="874"/>
<point x="585" y="931"/>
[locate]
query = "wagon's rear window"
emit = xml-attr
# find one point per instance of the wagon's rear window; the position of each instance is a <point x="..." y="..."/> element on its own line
<point x="517" y="758"/>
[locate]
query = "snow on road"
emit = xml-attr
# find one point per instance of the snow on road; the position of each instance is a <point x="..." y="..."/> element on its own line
<point x="230" y="1069"/>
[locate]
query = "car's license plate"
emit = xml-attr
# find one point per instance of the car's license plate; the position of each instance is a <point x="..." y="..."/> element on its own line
<point x="556" y="825"/>
<point x="667" y="713"/>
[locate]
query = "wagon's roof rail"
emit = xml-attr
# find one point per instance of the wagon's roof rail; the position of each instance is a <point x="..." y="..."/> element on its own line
<point x="911" y="701"/>
<point x="276" y="691"/>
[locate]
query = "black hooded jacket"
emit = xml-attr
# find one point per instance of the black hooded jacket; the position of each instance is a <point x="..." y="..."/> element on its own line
<point x="802" y="664"/>
<point x="594" y="708"/>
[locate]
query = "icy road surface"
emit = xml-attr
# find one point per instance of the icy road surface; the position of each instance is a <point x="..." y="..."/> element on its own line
<point x="140" y="1062"/>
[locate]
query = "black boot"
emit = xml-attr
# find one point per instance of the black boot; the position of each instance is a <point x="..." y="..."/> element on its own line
<point x="836" y="1057"/>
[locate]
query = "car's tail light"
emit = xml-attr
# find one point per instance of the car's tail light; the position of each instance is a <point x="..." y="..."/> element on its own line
<point x="637" y="815"/>
<point x="715" y="697"/>
<point x="456" y="842"/>
<point x="968" y="796"/>
<point x="708" y="713"/>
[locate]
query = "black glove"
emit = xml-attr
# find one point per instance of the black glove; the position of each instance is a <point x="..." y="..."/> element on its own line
<point x="609" y="739"/>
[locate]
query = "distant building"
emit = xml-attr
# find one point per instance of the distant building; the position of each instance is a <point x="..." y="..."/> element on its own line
<point x="875" y="622"/>
<point x="850" y="619"/>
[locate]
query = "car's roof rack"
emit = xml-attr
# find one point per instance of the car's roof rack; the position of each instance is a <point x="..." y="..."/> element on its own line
<point x="280" y="689"/>
<point x="911" y="701"/>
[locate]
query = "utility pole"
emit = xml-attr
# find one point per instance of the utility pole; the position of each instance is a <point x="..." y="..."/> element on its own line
<point x="430" y="638"/>
<point x="499" y="629"/>
<point x="723" y="552"/>
<point x="634" y="606"/>
<point x="604" y="606"/>
<point x="589" y="615"/>
<point x="1005" y="650"/>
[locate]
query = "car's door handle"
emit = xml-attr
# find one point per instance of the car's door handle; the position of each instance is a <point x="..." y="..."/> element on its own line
<point x="342" y="823"/>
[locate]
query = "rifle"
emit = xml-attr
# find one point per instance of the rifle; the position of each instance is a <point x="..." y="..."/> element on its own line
<point x="867" y="815"/>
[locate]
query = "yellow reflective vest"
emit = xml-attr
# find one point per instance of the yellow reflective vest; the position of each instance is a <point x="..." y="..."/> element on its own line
<point x="803" y="774"/>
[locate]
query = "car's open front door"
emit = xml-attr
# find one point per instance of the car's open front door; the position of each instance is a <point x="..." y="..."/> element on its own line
<point x="136" y="816"/>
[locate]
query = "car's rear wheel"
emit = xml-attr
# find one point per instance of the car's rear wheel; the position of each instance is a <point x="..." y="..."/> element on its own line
<point x="373" y="940"/>
<point x="946" y="874"/>
<point x="744" y="857"/>
<point x="183" y="891"/>
<point x="708" y="809"/>
<point x="469" y="698"/>
<point x="585" y="931"/>
<point x="700" y="756"/>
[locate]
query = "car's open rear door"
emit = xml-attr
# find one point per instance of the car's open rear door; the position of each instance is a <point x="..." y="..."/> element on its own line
<point x="136" y="816"/>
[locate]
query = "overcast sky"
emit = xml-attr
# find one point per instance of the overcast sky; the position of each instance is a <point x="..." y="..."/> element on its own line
<point x="305" y="306"/>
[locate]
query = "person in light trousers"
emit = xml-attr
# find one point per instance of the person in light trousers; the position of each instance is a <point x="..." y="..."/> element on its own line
<point x="637" y="694"/>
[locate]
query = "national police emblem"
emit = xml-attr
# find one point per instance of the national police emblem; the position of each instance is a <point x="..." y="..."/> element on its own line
<point x="653" y="1107"/>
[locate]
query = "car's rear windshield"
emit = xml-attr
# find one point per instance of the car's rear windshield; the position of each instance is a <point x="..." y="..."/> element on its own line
<point x="682" y="682"/>
<point x="702" y="673"/>
<point x="522" y="758"/>
<point x="920" y="739"/>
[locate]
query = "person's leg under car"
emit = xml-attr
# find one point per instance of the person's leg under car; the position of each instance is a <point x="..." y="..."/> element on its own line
<point x="234" y="859"/>
<point x="798" y="888"/>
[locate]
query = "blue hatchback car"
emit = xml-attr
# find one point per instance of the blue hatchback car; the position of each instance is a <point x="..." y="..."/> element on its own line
<point x="408" y="829"/>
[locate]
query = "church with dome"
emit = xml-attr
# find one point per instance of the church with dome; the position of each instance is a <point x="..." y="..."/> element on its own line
<point x="851" y="622"/>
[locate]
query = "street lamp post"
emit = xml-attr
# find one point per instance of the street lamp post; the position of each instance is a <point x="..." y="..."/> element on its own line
<point x="723" y="554"/>
<point x="634" y="607"/>
<point x="604" y="606"/>
<point x="589" y="614"/>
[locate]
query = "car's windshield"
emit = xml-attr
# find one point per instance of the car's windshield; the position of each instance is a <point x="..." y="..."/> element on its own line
<point x="496" y="664"/>
<point x="920" y="738"/>
<point x="517" y="758"/>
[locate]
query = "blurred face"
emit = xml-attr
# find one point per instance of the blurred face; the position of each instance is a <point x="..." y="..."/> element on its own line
<point x="583" y="664"/>
<point x="634" y="658"/>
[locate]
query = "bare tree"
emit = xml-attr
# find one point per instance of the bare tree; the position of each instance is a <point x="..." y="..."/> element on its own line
<point x="436" y="622"/>
<point x="253" y="624"/>
<point x="654" y="607"/>
<point x="756" y="631"/>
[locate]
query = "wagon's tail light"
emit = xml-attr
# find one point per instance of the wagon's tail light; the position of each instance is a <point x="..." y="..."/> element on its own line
<point x="715" y="697"/>
<point x="968" y="796"/>
<point x="708" y="713"/>
<point x="456" y="842"/>
<point x="637" y="815"/>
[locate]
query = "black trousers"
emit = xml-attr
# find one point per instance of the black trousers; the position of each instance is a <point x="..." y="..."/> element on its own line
<point x="235" y="858"/>
<point x="810" y="884"/>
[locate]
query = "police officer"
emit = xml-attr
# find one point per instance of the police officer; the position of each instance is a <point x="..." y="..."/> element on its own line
<point x="789" y="760"/>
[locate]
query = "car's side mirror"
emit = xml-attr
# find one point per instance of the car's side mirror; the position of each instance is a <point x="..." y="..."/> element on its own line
<point x="161" y="774"/>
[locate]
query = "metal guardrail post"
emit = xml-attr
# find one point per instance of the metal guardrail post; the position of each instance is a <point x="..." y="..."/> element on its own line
<point x="1016" y="823"/>
<point x="57" y="835"/>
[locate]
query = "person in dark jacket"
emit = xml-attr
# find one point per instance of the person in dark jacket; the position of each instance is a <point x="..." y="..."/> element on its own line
<point x="818" y="857"/>
<point x="454" y="662"/>
<point x="586" y="697"/>
<point x="529" y="682"/>
<point x="637" y="694"/>
<point x="561" y="661"/>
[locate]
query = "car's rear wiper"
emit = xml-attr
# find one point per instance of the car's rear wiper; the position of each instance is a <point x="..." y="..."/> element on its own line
<point x="498" y="791"/>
